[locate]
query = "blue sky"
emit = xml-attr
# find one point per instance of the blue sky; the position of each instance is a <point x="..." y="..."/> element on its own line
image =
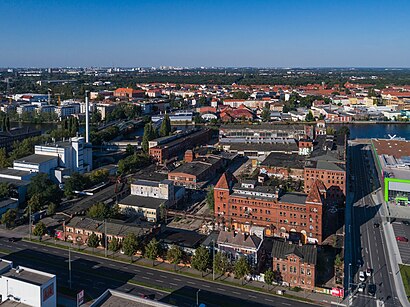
<point x="276" y="33"/>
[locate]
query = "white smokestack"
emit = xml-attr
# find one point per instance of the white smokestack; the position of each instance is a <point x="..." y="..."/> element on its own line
<point x="87" y="118"/>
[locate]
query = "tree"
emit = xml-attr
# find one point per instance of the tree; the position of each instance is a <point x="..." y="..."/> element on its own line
<point x="130" y="245"/>
<point x="265" y="115"/>
<point x="210" y="198"/>
<point x="269" y="277"/>
<point x="163" y="212"/>
<point x="149" y="134"/>
<point x="47" y="190"/>
<point x="40" y="229"/>
<point x="152" y="250"/>
<point x="35" y="203"/>
<point x="76" y="182"/>
<point x="221" y="263"/>
<point x="338" y="260"/>
<point x="241" y="268"/>
<point x="114" y="245"/>
<point x="174" y="255"/>
<point x="101" y="211"/>
<point x="4" y="162"/>
<point x="321" y="116"/>
<point x="4" y="190"/>
<point x="129" y="150"/>
<point x="201" y="259"/>
<point x="51" y="209"/>
<point x="165" y="128"/>
<point x="240" y="95"/>
<point x="309" y="117"/>
<point x="93" y="241"/>
<point x="98" y="176"/>
<point x="9" y="217"/>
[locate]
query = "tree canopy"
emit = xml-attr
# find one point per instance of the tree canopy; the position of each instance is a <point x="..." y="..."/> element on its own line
<point x="46" y="189"/>
<point x="102" y="211"/>
<point x="130" y="244"/>
<point x="210" y="198"/>
<point x="152" y="250"/>
<point x="241" y="268"/>
<point x="150" y="133"/>
<point x="165" y="128"/>
<point x="174" y="255"/>
<point x="40" y="229"/>
<point x="201" y="260"/>
<point x="93" y="240"/>
<point x="221" y="263"/>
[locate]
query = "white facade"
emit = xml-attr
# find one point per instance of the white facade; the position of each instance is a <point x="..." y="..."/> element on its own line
<point x="29" y="287"/>
<point x="161" y="190"/>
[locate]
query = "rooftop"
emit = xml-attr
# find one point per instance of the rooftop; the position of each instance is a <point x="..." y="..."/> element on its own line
<point x="279" y="159"/>
<point x="180" y="237"/>
<point x="113" y="298"/>
<point x="307" y="253"/>
<point x="142" y="201"/>
<point x="29" y="275"/>
<point x="293" y="198"/>
<point x="36" y="159"/>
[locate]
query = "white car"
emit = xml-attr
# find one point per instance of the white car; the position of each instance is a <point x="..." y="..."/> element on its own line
<point x="362" y="276"/>
<point x="369" y="272"/>
<point x="361" y="287"/>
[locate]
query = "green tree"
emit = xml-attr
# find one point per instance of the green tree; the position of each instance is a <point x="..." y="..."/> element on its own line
<point x="152" y="250"/>
<point x="149" y="134"/>
<point x="51" y="209"/>
<point x="93" y="241"/>
<point x="130" y="245"/>
<point x="309" y="117"/>
<point x="165" y="128"/>
<point x="321" y="116"/>
<point x="210" y="198"/>
<point x="241" y="268"/>
<point x="4" y="190"/>
<point x="40" y="230"/>
<point x="76" y="182"/>
<point x="114" y="245"/>
<point x="9" y="217"/>
<point x="35" y="203"/>
<point x="98" y="176"/>
<point x="4" y="162"/>
<point x="240" y="95"/>
<point x="129" y="150"/>
<point x="265" y="115"/>
<point x="221" y="263"/>
<point x="174" y="255"/>
<point x="201" y="260"/>
<point x="269" y="277"/>
<point x="47" y="190"/>
<point x="338" y="261"/>
<point x="163" y="212"/>
<point x="101" y="211"/>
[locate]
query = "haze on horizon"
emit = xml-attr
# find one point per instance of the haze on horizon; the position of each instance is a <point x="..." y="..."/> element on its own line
<point x="205" y="33"/>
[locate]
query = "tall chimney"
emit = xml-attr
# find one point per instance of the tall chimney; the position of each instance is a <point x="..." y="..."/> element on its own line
<point x="87" y="118"/>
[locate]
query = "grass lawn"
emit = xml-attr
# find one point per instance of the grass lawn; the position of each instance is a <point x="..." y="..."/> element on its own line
<point x="405" y="275"/>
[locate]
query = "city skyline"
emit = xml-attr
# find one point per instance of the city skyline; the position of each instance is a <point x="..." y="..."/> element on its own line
<point x="209" y="34"/>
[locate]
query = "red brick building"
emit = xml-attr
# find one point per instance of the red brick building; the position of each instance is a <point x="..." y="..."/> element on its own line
<point x="296" y="264"/>
<point x="175" y="146"/>
<point x="240" y="205"/>
<point x="123" y="92"/>
<point x="332" y="175"/>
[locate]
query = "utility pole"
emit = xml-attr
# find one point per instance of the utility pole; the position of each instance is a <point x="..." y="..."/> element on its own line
<point x="29" y="222"/>
<point x="105" y="238"/>
<point x="69" y="265"/>
<point x="213" y="260"/>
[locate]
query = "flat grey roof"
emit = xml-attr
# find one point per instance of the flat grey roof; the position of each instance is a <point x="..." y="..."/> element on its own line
<point x="141" y="201"/>
<point x="6" y="202"/>
<point x="293" y="198"/>
<point x="13" y="172"/>
<point x="36" y="159"/>
<point x="28" y="276"/>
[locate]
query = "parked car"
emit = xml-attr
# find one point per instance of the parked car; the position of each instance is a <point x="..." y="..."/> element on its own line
<point x="376" y="225"/>
<point x="407" y="223"/>
<point x="369" y="272"/>
<point x="361" y="287"/>
<point x="402" y="239"/>
<point x="362" y="276"/>
<point x="371" y="289"/>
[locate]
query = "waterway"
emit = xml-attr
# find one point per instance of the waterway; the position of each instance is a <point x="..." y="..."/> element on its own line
<point x="356" y="130"/>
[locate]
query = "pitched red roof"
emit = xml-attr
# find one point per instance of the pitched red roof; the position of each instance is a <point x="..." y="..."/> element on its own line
<point x="226" y="181"/>
<point x="315" y="195"/>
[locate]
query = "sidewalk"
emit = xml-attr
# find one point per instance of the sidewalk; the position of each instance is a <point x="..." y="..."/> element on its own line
<point x="319" y="298"/>
<point x="392" y="250"/>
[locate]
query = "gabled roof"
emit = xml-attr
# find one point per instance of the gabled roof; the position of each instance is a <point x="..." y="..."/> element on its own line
<point x="307" y="253"/>
<point x="238" y="240"/>
<point x="226" y="181"/>
<point x="315" y="195"/>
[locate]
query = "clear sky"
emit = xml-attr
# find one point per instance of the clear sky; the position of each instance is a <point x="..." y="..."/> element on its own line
<point x="276" y="33"/>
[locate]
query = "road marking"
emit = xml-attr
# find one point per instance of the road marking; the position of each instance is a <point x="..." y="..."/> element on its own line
<point x="253" y="296"/>
<point x="286" y="304"/>
<point x="237" y="293"/>
<point x="190" y="282"/>
<point x="163" y="276"/>
<point x="220" y="289"/>
<point x="158" y="280"/>
<point x="266" y="299"/>
<point x="177" y="279"/>
<point x="149" y="273"/>
<point x="206" y="286"/>
<point x="171" y="283"/>
<point x="112" y="265"/>
<point x="145" y="277"/>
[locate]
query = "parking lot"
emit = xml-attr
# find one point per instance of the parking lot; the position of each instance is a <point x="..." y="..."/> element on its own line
<point x="404" y="247"/>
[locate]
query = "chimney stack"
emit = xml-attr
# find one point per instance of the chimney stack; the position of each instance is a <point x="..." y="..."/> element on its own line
<point x="87" y="118"/>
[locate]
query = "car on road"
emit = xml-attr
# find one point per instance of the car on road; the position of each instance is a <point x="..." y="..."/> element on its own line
<point x="361" y="287"/>
<point x="362" y="276"/>
<point x="402" y="239"/>
<point x="369" y="272"/>
<point x="376" y="225"/>
<point x="371" y="289"/>
<point x="407" y="223"/>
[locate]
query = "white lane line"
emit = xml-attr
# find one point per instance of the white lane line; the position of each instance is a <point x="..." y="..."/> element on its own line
<point x="190" y="282"/>
<point x="266" y="299"/>
<point x="253" y="296"/>
<point x="220" y="289"/>
<point x="206" y="286"/>
<point x="171" y="283"/>
<point x="163" y="276"/>
<point x="158" y="280"/>
<point x="286" y="304"/>
<point x="145" y="277"/>
<point x="149" y="273"/>
<point x="177" y="279"/>
<point x="237" y="293"/>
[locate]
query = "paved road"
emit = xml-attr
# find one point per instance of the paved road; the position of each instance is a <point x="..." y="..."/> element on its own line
<point x="94" y="275"/>
<point x="368" y="241"/>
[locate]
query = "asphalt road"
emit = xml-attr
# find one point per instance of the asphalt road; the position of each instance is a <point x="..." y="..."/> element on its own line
<point x="368" y="241"/>
<point x="95" y="275"/>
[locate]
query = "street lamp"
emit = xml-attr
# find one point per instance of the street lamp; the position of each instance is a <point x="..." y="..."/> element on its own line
<point x="197" y="297"/>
